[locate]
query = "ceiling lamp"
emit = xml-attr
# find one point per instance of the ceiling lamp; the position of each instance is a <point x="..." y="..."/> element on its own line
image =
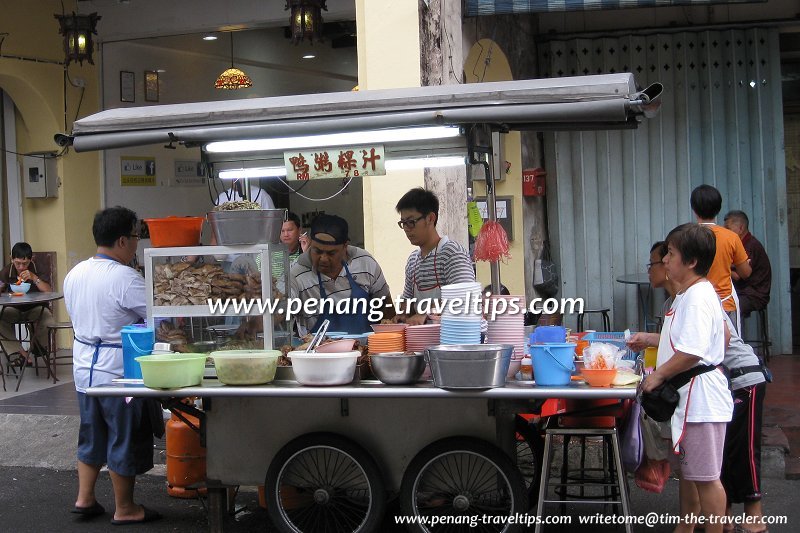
<point x="77" y="31"/>
<point x="233" y="78"/>
<point x="306" y="19"/>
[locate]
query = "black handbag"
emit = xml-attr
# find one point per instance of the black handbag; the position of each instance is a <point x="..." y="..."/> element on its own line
<point x="660" y="403"/>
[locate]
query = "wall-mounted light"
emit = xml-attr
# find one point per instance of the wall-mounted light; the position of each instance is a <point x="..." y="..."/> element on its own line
<point x="306" y="19"/>
<point x="77" y="31"/>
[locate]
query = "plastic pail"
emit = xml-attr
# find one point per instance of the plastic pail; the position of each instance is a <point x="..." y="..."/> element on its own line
<point x="136" y="340"/>
<point x="553" y="363"/>
<point x="548" y="334"/>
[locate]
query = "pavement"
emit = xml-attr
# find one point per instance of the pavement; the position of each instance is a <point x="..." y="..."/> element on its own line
<point x="38" y="480"/>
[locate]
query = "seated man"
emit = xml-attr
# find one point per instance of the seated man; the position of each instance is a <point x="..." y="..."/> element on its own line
<point x="23" y="268"/>
<point x="753" y="292"/>
<point x="296" y="243"/>
<point x="348" y="276"/>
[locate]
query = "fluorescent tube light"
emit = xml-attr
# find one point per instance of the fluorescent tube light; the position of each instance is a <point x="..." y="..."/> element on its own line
<point x="336" y="139"/>
<point x="260" y="172"/>
<point x="425" y="162"/>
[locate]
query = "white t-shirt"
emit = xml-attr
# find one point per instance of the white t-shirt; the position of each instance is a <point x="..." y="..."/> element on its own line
<point x="101" y="296"/>
<point x="257" y="195"/>
<point x="694" y="326"/>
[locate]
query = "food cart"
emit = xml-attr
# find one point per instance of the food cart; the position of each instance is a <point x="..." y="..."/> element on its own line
<point x="386" y="438"/>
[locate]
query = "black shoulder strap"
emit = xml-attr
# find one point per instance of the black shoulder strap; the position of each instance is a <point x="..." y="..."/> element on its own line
<point x="679" y="380"/>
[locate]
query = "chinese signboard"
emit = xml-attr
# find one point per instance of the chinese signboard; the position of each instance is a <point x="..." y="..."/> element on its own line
<point x="343" y="162"/>
<point x="189" y="174"/>
<point x="137" y="171"/>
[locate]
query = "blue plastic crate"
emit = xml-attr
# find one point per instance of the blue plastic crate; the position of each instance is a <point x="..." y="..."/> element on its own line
<point x="616" y="338"/>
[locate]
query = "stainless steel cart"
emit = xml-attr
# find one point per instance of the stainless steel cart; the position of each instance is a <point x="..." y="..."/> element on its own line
<point x="360" y="442"/>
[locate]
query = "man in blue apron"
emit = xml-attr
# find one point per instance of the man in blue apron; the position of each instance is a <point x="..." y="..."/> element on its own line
<point x="102" y="294"/>
<point x="439" y="261"/>
<point x="338" y="282"/>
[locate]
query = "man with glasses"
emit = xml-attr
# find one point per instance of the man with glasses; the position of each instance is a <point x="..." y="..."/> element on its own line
<point x="439" y="261"/>
<point x="23" y="268"/>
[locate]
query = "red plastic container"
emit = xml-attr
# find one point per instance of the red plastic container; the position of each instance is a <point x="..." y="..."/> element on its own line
<point x="174" y="231"/>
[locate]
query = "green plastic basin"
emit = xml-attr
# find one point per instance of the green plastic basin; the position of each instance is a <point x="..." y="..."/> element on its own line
<point x="172" y="371"/>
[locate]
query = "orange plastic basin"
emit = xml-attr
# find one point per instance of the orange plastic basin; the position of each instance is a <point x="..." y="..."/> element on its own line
<point x="174" y="231"/>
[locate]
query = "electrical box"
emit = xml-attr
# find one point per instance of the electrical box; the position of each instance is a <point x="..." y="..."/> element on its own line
<point x="533" y="182"/>
<point x="40" y="175"/>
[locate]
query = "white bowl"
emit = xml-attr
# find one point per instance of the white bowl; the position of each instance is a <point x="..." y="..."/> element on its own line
<point x="23" y="287"/>
<point x="324" y="368"/>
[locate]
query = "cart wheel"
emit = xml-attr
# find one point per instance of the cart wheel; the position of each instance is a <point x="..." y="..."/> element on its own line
<point x="458" y="481"/>
<point x="530" y="453"/>
<point x="324" y="482"/>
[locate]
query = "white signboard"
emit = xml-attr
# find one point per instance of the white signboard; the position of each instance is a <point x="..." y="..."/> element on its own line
<point x="337" y="162"/>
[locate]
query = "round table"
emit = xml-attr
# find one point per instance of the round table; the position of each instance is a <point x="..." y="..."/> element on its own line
<point x="642" y="282"/>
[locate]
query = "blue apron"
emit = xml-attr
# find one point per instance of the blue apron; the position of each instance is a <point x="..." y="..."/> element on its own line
<point x="349" y="322"/>
<point x="97" y="345"/>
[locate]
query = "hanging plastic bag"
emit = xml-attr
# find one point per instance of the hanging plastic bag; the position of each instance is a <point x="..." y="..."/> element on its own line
<point x="655" y="446"/>
<point x="545" y="274"/>
<point x="632" y="443"/>
<point x="492" y="243"/>
<point x="474" y="218"/>
<point x="652" y="475"/>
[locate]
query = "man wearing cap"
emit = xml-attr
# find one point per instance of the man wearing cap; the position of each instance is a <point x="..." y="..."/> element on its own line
<point x="338" y="282"/>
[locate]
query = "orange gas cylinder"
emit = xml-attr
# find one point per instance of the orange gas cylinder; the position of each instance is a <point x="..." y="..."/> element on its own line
<point x="186" y="459"/>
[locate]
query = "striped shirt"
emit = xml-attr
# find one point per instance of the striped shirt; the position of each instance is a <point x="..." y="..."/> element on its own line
<point x="304" y="283"/>
<point x="446" y="264"/>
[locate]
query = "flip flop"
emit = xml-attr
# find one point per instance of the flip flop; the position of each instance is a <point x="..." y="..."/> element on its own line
<point x="150" y="515"/>
<point x="89" y="512"/>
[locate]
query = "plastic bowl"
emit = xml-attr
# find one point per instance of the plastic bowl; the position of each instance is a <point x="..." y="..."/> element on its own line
<point x="172" y="371"/>
<point x="174" y="231"/>
<point x="23" y="288"/>
<point x="383" y="328"/>
<point x="340" y="346"/>
<point x="246" y="367"/>
<point x="397" y="368"/>
<point x="599" y="378"/>
<point x="319" y="369"/>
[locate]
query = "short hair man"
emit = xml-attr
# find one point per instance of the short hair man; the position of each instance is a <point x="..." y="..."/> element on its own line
<point x="103" y="294"/>
<point x="438" y="261"/>
<point x="754" y="291"/>
<point x="706" y="203"/>
<point x="333" y="270"/>
<point x="22" y="267"/>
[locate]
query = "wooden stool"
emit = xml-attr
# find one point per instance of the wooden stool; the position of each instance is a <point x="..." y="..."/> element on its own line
<point x="615" y="480"/>
<point x="606" y="318"/>
<point x="52" y="348"/>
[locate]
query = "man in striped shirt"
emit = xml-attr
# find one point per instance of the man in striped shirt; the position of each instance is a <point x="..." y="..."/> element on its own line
<point x="338" y="282"/>
<point x="439" y="261"/>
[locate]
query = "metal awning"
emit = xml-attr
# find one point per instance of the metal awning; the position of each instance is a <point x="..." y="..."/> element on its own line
<point x="585" y="102"/>
<point x="474" y="8"/>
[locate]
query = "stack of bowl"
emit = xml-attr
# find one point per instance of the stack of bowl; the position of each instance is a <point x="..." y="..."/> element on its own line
<point x="392" y="341"/>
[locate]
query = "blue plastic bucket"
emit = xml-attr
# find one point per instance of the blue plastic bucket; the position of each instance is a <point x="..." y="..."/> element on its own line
<point x="550" y="334"/>
<point x="136" y="340"/>
<point x="553" y="364"/>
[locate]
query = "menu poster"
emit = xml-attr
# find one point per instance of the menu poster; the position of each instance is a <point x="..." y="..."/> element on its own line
<point x="189" y="174"/>
<point x="137" y="171"/>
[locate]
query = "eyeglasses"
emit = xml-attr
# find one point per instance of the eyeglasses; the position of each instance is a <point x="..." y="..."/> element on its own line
<point x="650" y="265"/>
<point x="134" y="237"/>
<point x="409" y="223"/>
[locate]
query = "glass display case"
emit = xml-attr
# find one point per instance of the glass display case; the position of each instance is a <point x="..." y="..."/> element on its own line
<point x="204" y="298"/>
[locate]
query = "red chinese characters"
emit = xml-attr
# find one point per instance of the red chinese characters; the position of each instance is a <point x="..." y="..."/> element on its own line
<point x="300" y="166"/>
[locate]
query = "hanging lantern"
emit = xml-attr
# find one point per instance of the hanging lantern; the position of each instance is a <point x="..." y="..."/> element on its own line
<point x="306" y="19"/>
<point x="233" y="78"/>
<point x="77" y="31"/>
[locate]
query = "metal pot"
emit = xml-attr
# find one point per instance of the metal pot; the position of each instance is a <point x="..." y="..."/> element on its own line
<point x="248" y="226"/>
<point x="469" y="366"/>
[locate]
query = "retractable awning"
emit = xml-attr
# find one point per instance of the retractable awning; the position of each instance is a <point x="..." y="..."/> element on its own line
<point x="586" y="102"/>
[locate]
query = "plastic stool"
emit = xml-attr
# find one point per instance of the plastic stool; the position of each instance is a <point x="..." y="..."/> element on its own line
<point x="52" y="348"/>
<point x="604" y="312"/>
<point x="616" y="481"/>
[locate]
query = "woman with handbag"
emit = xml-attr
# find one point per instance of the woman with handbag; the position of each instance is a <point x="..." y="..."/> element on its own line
<point x="741" y="467"/>
<point x="692" y="342"/>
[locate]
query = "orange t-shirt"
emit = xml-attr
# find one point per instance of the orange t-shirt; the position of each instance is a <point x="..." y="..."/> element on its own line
<point x="730" y="251"/>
